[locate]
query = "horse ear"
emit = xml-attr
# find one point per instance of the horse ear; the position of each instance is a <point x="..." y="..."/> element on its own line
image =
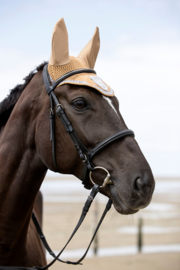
<point x="60" y="46"/>
<point x="89" y="54"/>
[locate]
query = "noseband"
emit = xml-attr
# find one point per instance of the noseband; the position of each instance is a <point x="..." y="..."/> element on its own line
<point x="85" y="155"/>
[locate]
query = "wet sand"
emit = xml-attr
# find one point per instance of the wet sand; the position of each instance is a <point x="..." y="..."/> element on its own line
<point x="161" y="226"/>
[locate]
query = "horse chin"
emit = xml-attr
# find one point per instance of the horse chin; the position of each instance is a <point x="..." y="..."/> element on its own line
<point x="119" y="204"/>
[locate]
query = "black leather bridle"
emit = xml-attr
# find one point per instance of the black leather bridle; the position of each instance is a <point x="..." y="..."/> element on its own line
<point x="85" y="155"/>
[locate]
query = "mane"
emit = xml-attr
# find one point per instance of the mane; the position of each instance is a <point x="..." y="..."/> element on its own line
<point x="7" y="105"/>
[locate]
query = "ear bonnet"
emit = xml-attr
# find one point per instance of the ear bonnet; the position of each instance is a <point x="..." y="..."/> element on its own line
<point x="61" y="63"/>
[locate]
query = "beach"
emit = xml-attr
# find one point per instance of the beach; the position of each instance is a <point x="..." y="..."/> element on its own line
<point x="117" y="237"/>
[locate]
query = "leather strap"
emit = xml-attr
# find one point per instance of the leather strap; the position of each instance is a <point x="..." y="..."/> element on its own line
<point x="86" y="207"/>
<point x="42" y="237"/>
<point x="83" y="215"/>
<point x="61" y="113"/>
<point x="50" y="88"/>
<point x="118" y="136"/>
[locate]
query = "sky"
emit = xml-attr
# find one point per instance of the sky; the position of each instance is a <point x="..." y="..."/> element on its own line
<point x="139" y="58"/>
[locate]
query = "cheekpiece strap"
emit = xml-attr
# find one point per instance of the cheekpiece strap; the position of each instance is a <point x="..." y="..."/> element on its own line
<point x="80" y="147"/>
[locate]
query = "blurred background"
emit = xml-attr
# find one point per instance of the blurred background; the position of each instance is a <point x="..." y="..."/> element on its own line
<point x="140" y="59"/>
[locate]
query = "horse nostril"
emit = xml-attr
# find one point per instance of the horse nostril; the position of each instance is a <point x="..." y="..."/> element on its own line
<point x="139" y="183"/>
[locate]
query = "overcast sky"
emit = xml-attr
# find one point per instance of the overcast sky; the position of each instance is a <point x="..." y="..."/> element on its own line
<point x="139" y="58"/>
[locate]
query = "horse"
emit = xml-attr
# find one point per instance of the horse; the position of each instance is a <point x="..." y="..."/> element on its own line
<point x="26" y="151"/>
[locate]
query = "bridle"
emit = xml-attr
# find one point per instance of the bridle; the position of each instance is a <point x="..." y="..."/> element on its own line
<point x="85" y="155"/>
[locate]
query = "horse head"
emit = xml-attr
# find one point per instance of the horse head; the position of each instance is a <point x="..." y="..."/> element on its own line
<point x="66" y="119"/>
<point x="93" y="110"/>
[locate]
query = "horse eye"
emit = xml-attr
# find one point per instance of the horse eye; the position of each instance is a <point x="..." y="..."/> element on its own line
<point x="79" y="104"/>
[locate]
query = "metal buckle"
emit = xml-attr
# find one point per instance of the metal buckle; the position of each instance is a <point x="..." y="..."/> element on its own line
<point x="85" y="158"/>
<point x="107" y="180"/>
<point x="51" y="110"/>
<point x="59" y="105"/>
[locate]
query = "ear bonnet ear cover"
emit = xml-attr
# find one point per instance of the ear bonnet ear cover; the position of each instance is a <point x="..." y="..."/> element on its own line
<point x="60" y="62"/>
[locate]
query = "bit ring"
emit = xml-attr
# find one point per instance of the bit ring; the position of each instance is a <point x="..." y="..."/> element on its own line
<point x="106" y="180"/>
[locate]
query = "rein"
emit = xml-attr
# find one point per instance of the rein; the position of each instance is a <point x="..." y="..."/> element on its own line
<point x="85" y="155"/>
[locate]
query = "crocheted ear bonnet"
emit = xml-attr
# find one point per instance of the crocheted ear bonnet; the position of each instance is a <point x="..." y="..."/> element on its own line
<point x="60" y="62"/>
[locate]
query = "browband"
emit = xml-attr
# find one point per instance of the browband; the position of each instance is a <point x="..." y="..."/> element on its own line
<point x="46" y="78"/>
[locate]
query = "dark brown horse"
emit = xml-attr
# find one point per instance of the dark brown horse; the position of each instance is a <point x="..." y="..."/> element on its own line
<point x="26" y="155"/>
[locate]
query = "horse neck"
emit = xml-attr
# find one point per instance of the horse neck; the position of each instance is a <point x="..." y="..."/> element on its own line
<point x="21" y="171"/>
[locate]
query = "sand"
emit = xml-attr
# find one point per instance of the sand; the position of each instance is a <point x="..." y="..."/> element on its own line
<point x="60" y="219"/>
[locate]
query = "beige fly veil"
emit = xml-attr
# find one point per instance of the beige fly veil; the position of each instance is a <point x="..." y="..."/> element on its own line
<point x="61" y="63"/>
